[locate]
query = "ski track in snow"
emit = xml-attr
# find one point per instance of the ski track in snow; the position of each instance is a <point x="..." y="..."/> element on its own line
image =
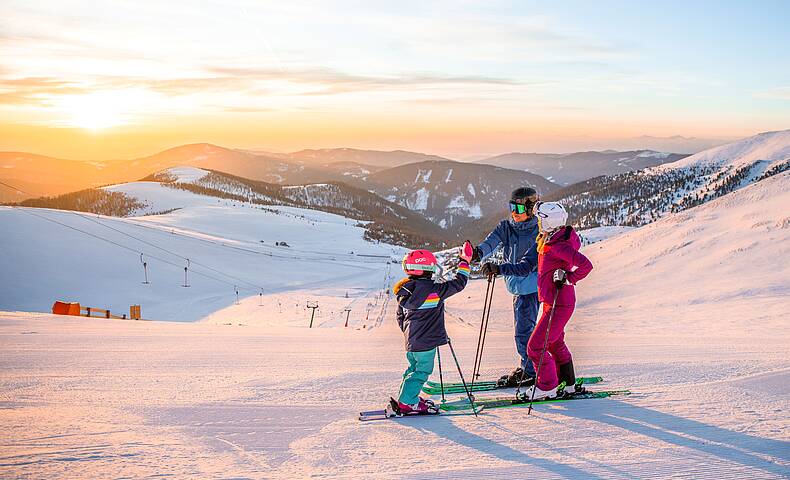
<point x="204" y="400"/>
<point x="250" y="392"/>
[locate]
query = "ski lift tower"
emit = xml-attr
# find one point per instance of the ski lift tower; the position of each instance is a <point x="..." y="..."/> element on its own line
<point x="313" y="306"/>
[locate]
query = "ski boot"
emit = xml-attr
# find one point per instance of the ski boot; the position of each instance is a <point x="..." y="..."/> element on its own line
<point x="565" y="391"/>
<point x="539" y="394"/>
<point x="422" y="407"/>
<point x="515" y="378"/>
<point x="425" y="406"/>
<point x="397" y="409"/>
<point x="568" y="384"/>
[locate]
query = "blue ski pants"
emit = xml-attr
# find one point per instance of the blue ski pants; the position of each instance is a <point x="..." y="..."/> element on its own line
<point x="420" y="368"/>
<point x="525" y="312"/>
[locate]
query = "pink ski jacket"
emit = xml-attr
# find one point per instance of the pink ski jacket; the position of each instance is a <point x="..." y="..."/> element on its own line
<point x="561" y="251"/>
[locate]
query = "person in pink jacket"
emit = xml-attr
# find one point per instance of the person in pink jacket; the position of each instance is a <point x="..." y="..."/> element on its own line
<point x="560" y="267"/>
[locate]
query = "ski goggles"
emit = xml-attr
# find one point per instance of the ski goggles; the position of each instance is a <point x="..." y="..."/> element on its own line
<point x="520" y="208"/>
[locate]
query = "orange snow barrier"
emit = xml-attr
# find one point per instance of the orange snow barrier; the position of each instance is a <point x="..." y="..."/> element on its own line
<point x="66" y="308"/>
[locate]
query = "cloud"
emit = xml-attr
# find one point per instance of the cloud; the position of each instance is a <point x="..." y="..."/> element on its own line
<point x="334" y="81"/>
<point x="35" y="90"/>
<point x="777" y="93"/>
<point x="258" y="81"/>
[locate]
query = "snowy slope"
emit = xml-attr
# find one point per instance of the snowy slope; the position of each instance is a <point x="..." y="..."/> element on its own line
<point x="228" y="244"/>
<point x="689" y="312"/>
<point x="720" y="258"/>
<point x="383" y="220"/>
<point x="767" y="146"/>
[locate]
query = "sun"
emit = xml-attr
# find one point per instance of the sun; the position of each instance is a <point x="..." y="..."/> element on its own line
<point x="95" y="117"/>
<point x="96" y="110"/>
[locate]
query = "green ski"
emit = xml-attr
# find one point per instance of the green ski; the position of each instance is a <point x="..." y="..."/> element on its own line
<point x="435" y="388"/>
<point x="502" y="402"/>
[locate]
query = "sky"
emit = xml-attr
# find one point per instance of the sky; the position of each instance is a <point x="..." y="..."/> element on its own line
<point x="118" y="79"/>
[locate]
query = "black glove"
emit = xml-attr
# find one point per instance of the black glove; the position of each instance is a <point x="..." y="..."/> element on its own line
<point x="560" y="276"/>
<point x="477" y="254"/>
<point x="489" y="268"/>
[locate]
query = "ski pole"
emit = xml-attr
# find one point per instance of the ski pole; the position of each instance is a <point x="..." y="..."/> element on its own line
<point x="545" y="345"/>
<point x="480" y="335"/>
<point x="481" y="338"/>
<point x="458" y="366"/>
<point x="485" y="330"/>
<point x="441" y="379"/>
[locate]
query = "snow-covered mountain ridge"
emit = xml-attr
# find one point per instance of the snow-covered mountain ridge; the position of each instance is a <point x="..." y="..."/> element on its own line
<point x="452" y="194"/>
<point x="638" y="198"/>
<point x="384" y="220"/>
<point x="720" y="258"/>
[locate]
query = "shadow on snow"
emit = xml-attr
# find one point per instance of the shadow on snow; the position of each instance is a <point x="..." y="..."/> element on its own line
<point x="727" y="445"/>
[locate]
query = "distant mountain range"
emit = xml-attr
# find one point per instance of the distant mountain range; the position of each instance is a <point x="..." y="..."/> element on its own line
<point x="374" y="158"/>
<point x="569" y="168"/>
<point x="430" y="202"/>
<point x="447" y="192"/>
<point x="35" y="175"/>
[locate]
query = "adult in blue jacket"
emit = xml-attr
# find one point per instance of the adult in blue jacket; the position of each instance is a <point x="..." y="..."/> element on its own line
<point x="517" y="236"/>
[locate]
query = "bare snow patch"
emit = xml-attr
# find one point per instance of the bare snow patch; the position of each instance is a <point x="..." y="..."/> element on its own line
<point x="419" y="200"/>
<point x="186" y="174"/>
<point x="423" y="176"/>
<point x="653" y="154"/>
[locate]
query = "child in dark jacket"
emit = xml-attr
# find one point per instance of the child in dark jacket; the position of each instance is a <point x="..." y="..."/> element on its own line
<point x="421" y="318"/>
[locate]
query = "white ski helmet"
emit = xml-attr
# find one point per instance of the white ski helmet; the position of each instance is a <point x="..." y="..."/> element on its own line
<point x="551" y="216"/>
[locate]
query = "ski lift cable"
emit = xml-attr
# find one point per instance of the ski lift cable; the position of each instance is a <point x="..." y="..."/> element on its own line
<point x="15" y="188"/>
<point x="314" y="258"/>
<point x="168" y="251"/>
<point x="196" y="272"/>
<point x="317" y="253"/>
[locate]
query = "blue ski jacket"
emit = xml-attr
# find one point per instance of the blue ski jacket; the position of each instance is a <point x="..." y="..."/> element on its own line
<point x="421" y="309"/>
<point x="518" y="242"/>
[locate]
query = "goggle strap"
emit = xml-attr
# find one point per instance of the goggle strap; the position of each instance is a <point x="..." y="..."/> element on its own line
<point x="415" y="266"/>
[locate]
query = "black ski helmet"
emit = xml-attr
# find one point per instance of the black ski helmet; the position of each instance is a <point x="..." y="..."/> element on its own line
<point x="522" y="193"/>
<point x="526" y="196"/>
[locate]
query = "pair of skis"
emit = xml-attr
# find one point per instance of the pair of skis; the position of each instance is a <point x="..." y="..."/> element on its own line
<point x="502" y="402"/>
<point x="435" y="388"/>
<point x="463" y="407"/>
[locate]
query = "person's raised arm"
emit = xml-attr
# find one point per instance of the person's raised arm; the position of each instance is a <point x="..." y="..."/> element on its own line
<point x="491" y="243"/>
<point x="457" y="284"/>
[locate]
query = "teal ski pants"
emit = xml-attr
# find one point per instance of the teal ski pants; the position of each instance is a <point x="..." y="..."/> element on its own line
<point x="420" y="368"/>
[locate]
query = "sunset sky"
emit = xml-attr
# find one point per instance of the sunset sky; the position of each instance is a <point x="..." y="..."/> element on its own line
<point x="117" y="79"/>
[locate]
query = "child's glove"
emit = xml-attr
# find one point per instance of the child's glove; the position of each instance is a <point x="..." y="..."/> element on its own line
<point x="560" y="277"/>
<point x="489" y="268"/>
<point x="467" y="251"/>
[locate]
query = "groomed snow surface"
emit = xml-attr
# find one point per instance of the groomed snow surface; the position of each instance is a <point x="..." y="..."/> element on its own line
<point x="690" y="313"/>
